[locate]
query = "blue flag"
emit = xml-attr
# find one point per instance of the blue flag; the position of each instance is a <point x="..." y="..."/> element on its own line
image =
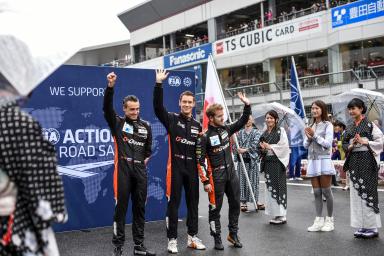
<point x="296" y="138"/>
<point x="296" y="100"/>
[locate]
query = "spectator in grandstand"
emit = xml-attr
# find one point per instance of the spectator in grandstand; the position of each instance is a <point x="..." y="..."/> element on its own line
<point x="314" y="8"/>
<point x="293" y="12"/>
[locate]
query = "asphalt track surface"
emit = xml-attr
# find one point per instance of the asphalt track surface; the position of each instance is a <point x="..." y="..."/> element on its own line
<point x="256" y="234"/>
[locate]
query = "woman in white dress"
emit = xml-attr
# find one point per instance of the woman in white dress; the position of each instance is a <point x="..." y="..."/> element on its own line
<point x="363" y="143"/>
<point x="318" y="141"/>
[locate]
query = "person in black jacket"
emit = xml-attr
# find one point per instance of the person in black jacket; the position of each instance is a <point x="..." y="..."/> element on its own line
<point x="183" y="132"/>
<point x="220" y="176"/>
<point x="133" y="142"/>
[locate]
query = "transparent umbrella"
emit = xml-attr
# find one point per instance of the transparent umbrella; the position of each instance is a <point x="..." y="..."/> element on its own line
<point x="288" y="119"/>
<point x="373" y="100"/>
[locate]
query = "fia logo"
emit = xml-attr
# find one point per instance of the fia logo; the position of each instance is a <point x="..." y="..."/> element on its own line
<point x="174" y="81"/>
<point x="52" y="135"/>
<point x="187" y="81"/>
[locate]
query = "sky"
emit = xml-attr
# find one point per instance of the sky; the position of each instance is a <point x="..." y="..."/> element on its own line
<point x="118" y="33"/>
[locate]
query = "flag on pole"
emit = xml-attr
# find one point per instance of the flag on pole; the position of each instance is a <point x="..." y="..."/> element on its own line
<point x="296" y="103"/>
<point x="213" y="92"/>
<point x="296" y="99"/>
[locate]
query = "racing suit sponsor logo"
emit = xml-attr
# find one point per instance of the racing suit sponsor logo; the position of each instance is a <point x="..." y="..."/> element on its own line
<point x="133" y="142"/>
<point x="143" y="131"/>
<point x="221" y="148"/>
<point x="215" y="140"/>
<point x="181" y="125"/>
<point x="194" y="131"/>
<point x="224" y="135"/>
<point x="128" y="128"/>
<point x="185" y="141"/>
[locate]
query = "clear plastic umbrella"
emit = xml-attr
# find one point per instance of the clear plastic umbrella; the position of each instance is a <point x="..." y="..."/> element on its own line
<point x="288" y="119"/>
<point x="373" y="100"/>
<point x="36" y="37"/>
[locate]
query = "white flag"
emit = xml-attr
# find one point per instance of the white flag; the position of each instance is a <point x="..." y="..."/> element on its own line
<point x="213" y="91"/>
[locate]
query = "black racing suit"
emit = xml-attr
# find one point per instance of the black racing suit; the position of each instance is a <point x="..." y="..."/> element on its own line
<point x="182" y="164"/>
<point x="214" y="146"/>
<point x="133" y="142"/>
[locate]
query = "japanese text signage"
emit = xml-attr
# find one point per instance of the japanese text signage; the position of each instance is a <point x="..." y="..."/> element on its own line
<point x="357" y="12"/>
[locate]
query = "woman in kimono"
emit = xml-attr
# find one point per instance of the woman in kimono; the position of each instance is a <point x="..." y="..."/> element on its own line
<point x="30" y="181"/>
<point x="248" y="139"/>
<point x="318" y="141"/>
<point x="275" y="158"/>
<point x="363" y="143"/>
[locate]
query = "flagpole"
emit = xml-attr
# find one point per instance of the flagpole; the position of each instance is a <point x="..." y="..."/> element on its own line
<point x="235" y="137"/>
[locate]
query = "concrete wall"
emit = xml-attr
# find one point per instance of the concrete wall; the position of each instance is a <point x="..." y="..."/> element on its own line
<point x="188" y="18"/>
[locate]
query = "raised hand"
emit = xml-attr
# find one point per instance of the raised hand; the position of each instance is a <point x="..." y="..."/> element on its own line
<point x="111" y="77"/>
<point x="244" y="99"/>
<point x="161" y="75"/>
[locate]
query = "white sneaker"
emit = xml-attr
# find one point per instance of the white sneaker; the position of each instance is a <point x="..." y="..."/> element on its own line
<point x="172" y="245"/>
<point x="317" y="224"/>
<point x="328" y="225"/>
<point x="195" y="243"/>
<point x="299" y="178"/>
<point x="291" y="178"/>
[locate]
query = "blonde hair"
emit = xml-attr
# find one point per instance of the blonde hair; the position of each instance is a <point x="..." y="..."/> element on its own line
<point x="212" y="108"/>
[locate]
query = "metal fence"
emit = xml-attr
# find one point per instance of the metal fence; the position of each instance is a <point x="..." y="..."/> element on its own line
<point x="334" y="83"/>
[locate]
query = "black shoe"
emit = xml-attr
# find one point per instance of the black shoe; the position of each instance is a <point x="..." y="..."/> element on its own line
<point x="142" y="250"/>
<point x="234" y="239"/>
<point x="218" y="243"/>
<point x="118" y="251"/>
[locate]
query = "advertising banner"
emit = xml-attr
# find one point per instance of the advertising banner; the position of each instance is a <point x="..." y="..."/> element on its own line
<point x="68" y="105"/>
<point x="357" y="12"/>
<point x="188" y="57"/>
<point x="272" y="34"/>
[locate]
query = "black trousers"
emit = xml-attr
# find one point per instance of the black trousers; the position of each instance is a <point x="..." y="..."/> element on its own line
<point x="130" y="182"/>
<point x="190" y="181"/>
<point x="226" y="182"/>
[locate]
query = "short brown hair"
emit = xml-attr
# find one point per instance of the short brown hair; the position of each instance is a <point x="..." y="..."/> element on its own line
<point x="211" y="110"/>
<point x="187" y="93"/>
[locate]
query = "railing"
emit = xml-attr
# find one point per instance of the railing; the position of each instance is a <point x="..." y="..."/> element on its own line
<point x="197" y="43"/>
<point x="307" y="82"/>
<point x="251" y="26"/>
<point x="348" y="78"/>
<point x="325" y="80"/>
<point x="161" y="52"/>
<point x="118" y="63"/>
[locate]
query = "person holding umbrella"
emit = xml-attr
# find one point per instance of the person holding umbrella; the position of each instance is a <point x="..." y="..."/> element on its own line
<point x="318" y="141"/>
<point x="363" y="143"/>
<point x="248" y="139"/>
<point x="275" y="152"/>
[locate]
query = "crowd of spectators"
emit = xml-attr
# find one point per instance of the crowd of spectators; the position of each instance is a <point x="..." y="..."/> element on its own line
<point x="190" y="42"/>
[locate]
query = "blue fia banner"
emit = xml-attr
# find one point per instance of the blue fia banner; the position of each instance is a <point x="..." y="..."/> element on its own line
<point x="188" y="57"/>
<point x="357" y="12"/>
<point x="68" y="105"/>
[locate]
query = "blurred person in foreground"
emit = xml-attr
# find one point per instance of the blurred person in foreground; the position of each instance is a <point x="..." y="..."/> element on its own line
<point x="31" y="191"/>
